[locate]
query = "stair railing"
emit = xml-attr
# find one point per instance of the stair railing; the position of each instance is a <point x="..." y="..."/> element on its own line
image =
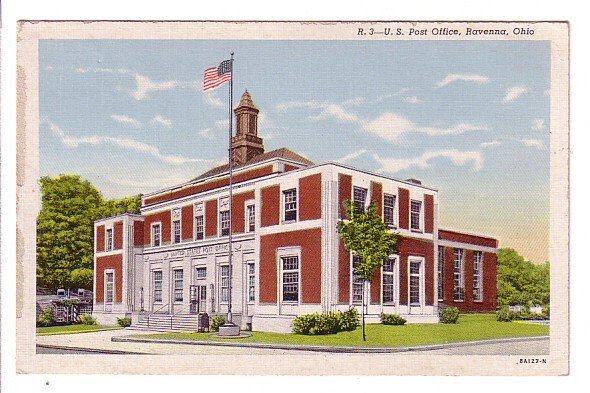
<point x="173" y="314"/>
<point x="152" y="313"/>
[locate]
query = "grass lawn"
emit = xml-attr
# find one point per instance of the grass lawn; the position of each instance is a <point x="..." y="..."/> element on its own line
<point x="471" y="327"/>
<point x="71" y="329"/>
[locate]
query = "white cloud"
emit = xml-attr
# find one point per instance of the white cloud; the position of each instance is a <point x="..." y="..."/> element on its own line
<point x="124" y="143"/>
<point x="412" y="100"/>
<point x="99" y="70"/>
<point x="126" y="120"/>
<point x="390" y="126"/>
<point x="489" y="144"/>
<point x="536" y="143"/>
<point x="206" y="133"/>
<point x="335" y="111"/>
<point x="145" y="86"/>
<point x="352" y="156"/>
<point x="450" y="78"/>
<point x="538" y="124"/>
<point x="513" y="93"/>
<point x="458" y="157"/>
<point x="354" y="101"/>
<point x="159" y="119"/>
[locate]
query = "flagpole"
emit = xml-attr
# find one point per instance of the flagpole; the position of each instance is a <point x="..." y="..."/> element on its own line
<point x="231" y="88"/>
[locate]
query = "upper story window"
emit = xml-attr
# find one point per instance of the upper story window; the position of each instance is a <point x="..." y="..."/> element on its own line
<point x="389" y="210"/>
<point x="199" y="221"/>
<point x="156" y="235"/>
<point x="250" y="218"/>
<point x="176" y="231"/>
<point x="416" y="208"/>
<point x="477" y="276"/>
<point x="109" y="239"/>
<point x="458" y="276"/>
<point x="290" y="203"/>
<point x="224" y="221"/>
<point x="360" y="197"/>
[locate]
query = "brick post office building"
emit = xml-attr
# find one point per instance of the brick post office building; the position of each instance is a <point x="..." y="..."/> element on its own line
<point x="170" y="262"/>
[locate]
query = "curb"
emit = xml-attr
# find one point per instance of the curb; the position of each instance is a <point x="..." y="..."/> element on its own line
<point x="320" y="348"/>
<point x="93" y="350"/>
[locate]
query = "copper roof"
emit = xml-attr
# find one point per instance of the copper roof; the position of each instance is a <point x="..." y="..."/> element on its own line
<point x="283" y="152"/>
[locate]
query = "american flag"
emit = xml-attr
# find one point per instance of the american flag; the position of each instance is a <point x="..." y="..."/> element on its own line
<point x="217" y="76"/>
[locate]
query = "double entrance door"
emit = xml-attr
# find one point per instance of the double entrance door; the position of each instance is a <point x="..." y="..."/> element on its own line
<point x="198" y="299"/>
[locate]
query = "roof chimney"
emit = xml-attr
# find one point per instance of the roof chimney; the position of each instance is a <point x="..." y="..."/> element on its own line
<point x="414" y="181"/>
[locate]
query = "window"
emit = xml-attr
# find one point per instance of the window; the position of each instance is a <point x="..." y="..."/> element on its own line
<point x="201" y="273"/>
<point x="199" y="227"/>
<point x="225" y="284"/>
<point x="290" y="275"/>
<point x="416" y="207"/>
<point x="357" y="281"/>
<point x="477" y="276"/>
<point x="176" y="231"/>
<point x="251" y="283"/>
<point x="224" y="220"/>
<point x="441" y="273"/>
<point x="458" y="287"/>
<point x="156" y="232"/>
<point x="389" y="281"/>
<point x="109" y="240"/>
<point x="109" y="286"/>
<point x="360" y="197"/>
<point x="158" y="286"/>
<point x="415" y="282"/>
<point x="178" y="273"/>
<point x="290" y="203"/>
<point x="250" y="218"/>
<point x="389" y="210"/>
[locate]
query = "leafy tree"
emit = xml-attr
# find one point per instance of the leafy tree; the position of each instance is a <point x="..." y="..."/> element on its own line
<point x="82" y="278"/>
<point x="366" y="235"/>
<point x="65" y="228"/>
<point x="521" y="282"/>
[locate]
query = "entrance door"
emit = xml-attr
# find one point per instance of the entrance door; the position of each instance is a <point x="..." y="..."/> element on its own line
<point x="198" y="299"/>
<point x="193" y="299"/>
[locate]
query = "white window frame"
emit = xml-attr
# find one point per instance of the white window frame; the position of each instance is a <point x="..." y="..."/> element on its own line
<point x="395" y="274"/>
<point x="174" y="281"/>
<point x="221" y="213"/>
<point x="251" y="284"/>
<point x="420" y="216"/>
<point x="286" y="252"/>
<point x="461" y="275"/>
<point x="249" y="205"/>
<point x="284" y="203"/>
<point x="161" y="281"/>
<point x="109" y="241"/>
<point x="366" y="190"/>
<point x="105" y="287"/>
<point x="352" y="283"/>
<point x="221" y="286"/>
<point x="173" y="231"/>
<point x="421" y="281"/>
<point x="478" y="275"/>
<point x="197" y="269"/>
<point x="440" y="274"/>
<point x="195" y="215"/>
<point x="155" y="224"/>
<point x="394" y="223"/>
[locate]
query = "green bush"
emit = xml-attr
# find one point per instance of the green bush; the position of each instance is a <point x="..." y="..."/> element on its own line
<point x="546" y="312"/>
<point x="504" y="314"/>
<point x="124" y="322"/>
<point x="392" y="319"/>
<point x="327" y="323"/>
<point x="87" y="319"/>
<point x="216" y="322"/>
<point x="46" y="318"/>
<point x="449" y="315"/>
<point x="349" y="320"/>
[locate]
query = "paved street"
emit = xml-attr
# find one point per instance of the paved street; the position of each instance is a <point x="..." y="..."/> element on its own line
<point x="76" y="343"/>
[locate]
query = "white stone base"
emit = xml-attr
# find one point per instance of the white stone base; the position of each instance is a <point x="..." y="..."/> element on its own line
<point x="273" y="323"/>
<point x="229" y="330"/>
<point x="108" y="318"/>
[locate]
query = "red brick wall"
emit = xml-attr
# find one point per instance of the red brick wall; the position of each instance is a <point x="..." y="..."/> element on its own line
<point x="445" y="234"/>
<point x="109" y="262"/>
<point x="271" y="199"/>
<point x="428" y="213"/>
<point x="118" y="235"/>
<point x="310" y="197"/>
<point x="138" y="233"/>
<point x="99" y="238"/>
<point x="239" y="211"/>
<point x="187" y="222"/>
<point x="163" y="217"/>
<point x="290" y="167"/>
<point x="343" y="274"/>
<point x="377" y="196"/>
<point x="407" y="247"/>
<point x="311" y="263"/>
<point x="344" y="193"/>
<point x="210" y="185"/>
<point x="211" y="218"/>
<point x="404" y="206"/>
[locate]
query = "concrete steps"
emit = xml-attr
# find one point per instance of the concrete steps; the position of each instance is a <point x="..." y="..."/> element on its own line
<point x="167" y="322"/>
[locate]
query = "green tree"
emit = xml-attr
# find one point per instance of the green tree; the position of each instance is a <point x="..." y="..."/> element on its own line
<point x="65" y="228"/>
<point x="82" y="278"/>
<point x="521" y="282"/>
<point x="366" y="235"/>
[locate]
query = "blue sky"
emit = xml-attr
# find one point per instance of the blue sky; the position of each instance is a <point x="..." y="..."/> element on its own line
<point x="470" y="118"/>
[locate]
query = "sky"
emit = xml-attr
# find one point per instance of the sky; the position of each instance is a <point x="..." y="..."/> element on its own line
<point x="468" y="118"/>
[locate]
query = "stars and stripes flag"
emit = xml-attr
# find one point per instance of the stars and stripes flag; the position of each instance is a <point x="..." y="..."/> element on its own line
<point x="217" y="76"/>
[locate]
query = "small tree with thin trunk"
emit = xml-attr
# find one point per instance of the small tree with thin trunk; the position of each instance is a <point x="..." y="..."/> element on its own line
<point x="365" y="234"/>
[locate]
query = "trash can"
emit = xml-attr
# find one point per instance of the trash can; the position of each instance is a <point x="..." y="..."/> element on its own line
<point x="203" y="322"/>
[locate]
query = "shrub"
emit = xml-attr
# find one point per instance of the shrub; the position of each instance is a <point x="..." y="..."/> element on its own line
<point x="349" y="320"/>
<point x="504" y="314"/>
<point x="124" y="322"/>
<point x="392" y="319"/>
<point x="87" y="319"/>
<point x="546" y="312"/>
<point x="449" y="315"/>
<point x="328" y="323"/>
<point x="46" y="318"/>
<point x="216" y="322"/>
